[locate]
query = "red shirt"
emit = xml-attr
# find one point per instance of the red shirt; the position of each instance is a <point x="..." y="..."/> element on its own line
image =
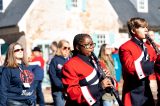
<point x="40" y="60"/>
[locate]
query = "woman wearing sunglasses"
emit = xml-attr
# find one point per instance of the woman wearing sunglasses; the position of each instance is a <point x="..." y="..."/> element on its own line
<point x="80" y="76"/>
<point x="56" y="64"/>
<point x="16" y="86"/>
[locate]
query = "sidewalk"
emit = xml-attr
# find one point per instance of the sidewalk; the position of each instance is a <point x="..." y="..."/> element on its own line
<point x="48" y="96"/>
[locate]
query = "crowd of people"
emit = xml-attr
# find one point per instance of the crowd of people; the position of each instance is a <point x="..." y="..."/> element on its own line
<point x="78" y="77"/>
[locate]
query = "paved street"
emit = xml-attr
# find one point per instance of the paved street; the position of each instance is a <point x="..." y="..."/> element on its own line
<point x="49" y="101"/>
<point x="47" y="96"/>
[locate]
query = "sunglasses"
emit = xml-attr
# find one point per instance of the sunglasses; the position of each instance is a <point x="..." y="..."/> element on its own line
<point x="17" y="50"/>
<point x="66" y="48"/>
<point x="87" y="46"/>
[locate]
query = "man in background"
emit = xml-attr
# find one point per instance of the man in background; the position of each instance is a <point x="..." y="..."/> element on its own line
<point x="37" y="59"/>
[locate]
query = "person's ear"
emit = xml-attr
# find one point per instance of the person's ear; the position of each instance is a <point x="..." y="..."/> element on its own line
<point x="77" y="47"/>
<point x="133" y="31"/>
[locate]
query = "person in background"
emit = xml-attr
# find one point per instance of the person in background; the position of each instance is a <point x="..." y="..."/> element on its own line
<point x="37" y="59"/>
<point x="137" y="59"/>
<point x="55" y="68"/>
<point x="81" y="78"/>
<point x="117" y="64"/>
<point x="17" y="80"/>
<point x="53" y="48"/>
<point x="156" y="74"/>
<point x="152" y="36"/>
<point x="106" y="60"/>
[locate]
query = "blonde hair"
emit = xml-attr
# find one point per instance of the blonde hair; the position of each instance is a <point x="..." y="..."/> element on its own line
<point x="103" y="56"/>
<point x="60" y="45"/>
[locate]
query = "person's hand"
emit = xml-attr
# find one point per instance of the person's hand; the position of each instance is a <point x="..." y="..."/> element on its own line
<point x="107" y="72"/>
<point x="106" y="83"/>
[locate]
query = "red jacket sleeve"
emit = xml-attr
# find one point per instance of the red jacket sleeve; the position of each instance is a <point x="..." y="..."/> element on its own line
<point x="71" y="82"/>
<point x="133" y="63"/>
<point x="127" y="60"/>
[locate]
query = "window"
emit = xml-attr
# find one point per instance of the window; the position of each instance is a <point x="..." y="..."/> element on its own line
<point x="79" y="5"/>
<point x="4" y="4"/>
<point x="1" y="5"/>
<point x="101" y="39"/>
<point x="142" y="6"/>
<point x="74" y="3"/>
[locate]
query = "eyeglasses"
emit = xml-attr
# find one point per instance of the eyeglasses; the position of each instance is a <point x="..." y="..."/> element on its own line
<point x="66" y="48"/>
<point x="87" y="46"/>
<point x="17" y="50"/>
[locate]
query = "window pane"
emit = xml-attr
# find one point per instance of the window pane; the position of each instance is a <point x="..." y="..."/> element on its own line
<point x="1" y="5"/>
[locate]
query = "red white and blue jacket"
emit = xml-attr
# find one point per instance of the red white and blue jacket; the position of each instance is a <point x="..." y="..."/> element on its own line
<point x="81" y="82"/>
<point x="135" y="70"/>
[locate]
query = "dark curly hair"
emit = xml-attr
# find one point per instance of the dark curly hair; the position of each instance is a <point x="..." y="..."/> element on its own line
<point x="77" y="40"/>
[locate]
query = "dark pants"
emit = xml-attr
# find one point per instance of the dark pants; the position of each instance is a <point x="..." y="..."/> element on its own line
<point x="39" y="93"/>
<point x="20" y="103"/>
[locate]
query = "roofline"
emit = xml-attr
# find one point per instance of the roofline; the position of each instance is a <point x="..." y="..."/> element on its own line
<point x="8" y="26"/>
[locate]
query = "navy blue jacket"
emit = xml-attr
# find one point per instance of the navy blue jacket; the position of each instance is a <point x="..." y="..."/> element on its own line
<point x="38" y="72"/>
<point x="1" y="67"/>
<point x="11" y="84"/>
<point x="55" y="69"/>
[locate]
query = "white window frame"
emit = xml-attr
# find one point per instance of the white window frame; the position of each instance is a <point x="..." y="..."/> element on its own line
<point x="5" y="4"/>
<point x="2" y="5"/>
<point x="142" y="6"/>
